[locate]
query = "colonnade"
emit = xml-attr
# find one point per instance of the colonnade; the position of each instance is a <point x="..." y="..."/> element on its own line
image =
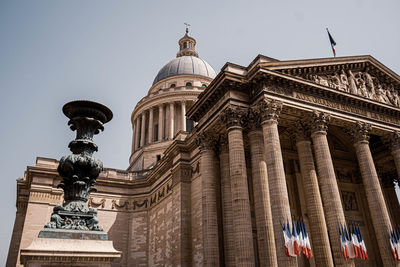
<point x="165" y="116"/>
<point x="271" y="201"/>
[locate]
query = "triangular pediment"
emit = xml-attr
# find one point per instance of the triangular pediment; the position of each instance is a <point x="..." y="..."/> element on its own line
<point x="363" y="76"/>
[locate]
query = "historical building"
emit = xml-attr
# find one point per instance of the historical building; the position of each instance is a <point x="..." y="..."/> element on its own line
<point x="219" y="161"/>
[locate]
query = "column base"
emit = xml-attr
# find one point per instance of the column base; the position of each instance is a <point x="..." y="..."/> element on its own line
<point x="51" y="252"/>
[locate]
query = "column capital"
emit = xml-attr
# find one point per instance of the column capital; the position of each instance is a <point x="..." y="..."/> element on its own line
<point x="233" y="116"/>
<point x="268" y="109"/>
<point x="206" y="141"/>
<point x="223" y="143"/>
<point x="360" y="132"/>
<point x="253" y="120"/>
<point x="319" y="122"/>
<point x="394" y="141"/>
<point x="300" y="131"/>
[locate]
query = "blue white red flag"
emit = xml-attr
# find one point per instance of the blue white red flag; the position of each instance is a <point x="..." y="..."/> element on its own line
<point x="296" y="239"/>
<point x="333" y="43"/>
<point x="394" y="237"/>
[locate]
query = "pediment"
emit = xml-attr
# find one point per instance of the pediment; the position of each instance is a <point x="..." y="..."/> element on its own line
<point x="362" y="76"/>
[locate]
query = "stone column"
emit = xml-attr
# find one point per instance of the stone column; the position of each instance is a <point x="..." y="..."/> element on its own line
<point x="375" y="199"/>
<point x="329" y="188"/>
<point x="133" y="137"/>
<point x="160" y="122"/>
<point x="209" y="178"/>
<point x="183" y="116"/>
<point x="395" y="148"/>
<point x="143" y="129"/>
<point x="269" y="111"/>
<point x="262" y="204"/>
<point x="172" y="120"/>
<point x="151" y="129"/>
<point x="319" y="232"/>
<point x="180" y="239"/>
<point x="244" y="251"/>
<point x="227" y="212"/>
<point x="137" y="133"/>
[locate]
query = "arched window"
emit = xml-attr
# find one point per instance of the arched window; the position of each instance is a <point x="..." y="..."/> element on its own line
<point x="172" y="85"/>
<point x="204" y="85"/>
<point x="184" y="45"/>
<point x="189" y="84"/>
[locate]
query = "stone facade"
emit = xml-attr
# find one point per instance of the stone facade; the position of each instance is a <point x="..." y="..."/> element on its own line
<point x="314" y="139"/>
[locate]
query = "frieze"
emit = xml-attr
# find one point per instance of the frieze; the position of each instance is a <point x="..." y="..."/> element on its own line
<point x="92" y="203"/>
<point x="133" y="204"/>
<point x="45" y="196"/>
<point x="161" y="193"/>
<point x="116" y="205"/>
<point x="269" y="86"/>
<point x="137" y="204"/>
<point x="359" y="83"/>
<point x="348" y="108"/>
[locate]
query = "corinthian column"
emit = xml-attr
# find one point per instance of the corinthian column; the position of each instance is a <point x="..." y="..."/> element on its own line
<point x="319" y="232"/>
<point x="376" y="201"/>
<point x="269" y="111"/>
<point x="151" y="123"/>
<point x="160" y="122"/>
<point x="143" y="129"/>
<point x="395" y="138"/>
<point x="244" y="250"/>
<point x="171" y="120"/>
<point x="183" y="117"/>
<point x="262" y="204"/>
<point x="227" y="212"/>
<point x="209" y="178"/>
<point x="329" y="189"/>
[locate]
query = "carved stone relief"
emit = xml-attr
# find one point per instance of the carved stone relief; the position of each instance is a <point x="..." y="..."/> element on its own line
<point x="344" y="176"/>
<point x="359" y="83"/>
<point x="349" y="201"/>
<point x="135" y="204"/>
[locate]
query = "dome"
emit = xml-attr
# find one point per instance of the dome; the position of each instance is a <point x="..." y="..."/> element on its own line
<point x="185" y="65"/>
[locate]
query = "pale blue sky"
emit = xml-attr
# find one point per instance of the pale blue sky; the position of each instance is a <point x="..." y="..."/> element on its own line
<point x="52" y="52"/>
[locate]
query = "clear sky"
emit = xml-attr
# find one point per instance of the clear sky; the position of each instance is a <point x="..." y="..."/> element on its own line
<point x="52" y="52"/>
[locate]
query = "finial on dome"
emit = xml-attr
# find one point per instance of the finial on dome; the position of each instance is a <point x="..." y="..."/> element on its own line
<point x="187" y="27"/>
<point x="187" y="44"/>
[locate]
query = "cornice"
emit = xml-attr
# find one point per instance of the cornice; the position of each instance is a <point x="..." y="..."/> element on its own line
<point x="192" y="76"/>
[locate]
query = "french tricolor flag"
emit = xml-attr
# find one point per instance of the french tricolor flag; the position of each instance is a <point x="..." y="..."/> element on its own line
<point x="343" y="242"/>
<point x="286" y="237"/>
<point x="395" y="244"/>
<point x="333" y="43"/>
<point x="295" y="240"/>
<point x="362" y="247"/>
<point x="306" y="243"/>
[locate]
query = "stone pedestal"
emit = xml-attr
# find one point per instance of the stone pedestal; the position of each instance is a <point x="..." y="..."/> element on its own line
<point x="49" y="252"/>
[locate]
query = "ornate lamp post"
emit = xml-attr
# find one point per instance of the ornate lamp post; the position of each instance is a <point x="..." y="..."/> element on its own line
<point x="79" y="170"/>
